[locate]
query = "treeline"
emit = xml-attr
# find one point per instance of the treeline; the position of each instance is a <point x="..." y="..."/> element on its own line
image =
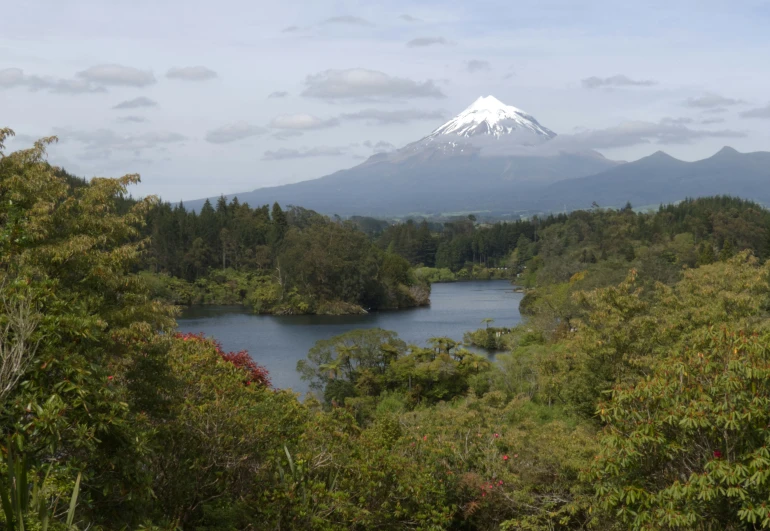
<point x="293" y="261"/>
<point x="709" y="228"/>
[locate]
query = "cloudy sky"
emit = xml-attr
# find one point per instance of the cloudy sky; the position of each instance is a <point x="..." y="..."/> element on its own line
<point x="203" y="98"/>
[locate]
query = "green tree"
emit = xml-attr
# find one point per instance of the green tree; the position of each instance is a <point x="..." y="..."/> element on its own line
<point x="71" y="252"/>
<point x="687" y="447"/>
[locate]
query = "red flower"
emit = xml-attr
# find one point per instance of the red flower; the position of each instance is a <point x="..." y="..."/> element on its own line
<point x="497" y="435"/>
<point x="505" y="458"/>
<point x="110" y="377"/>
<point x="717" y="454"/>
<point x="424" y="437"/>
<point x="500" y="482"/>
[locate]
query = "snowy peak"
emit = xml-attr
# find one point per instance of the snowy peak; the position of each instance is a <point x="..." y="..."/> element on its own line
<point x="488" y="116"/>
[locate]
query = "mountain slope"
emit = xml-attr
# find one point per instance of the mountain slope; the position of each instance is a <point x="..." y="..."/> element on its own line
<point x="485" y="158"/>
<point x="470" y="183"/>
<point x="661" y="178"/>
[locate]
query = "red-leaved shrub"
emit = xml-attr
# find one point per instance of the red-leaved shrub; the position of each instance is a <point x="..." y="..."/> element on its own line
<point x="254" y="373"/>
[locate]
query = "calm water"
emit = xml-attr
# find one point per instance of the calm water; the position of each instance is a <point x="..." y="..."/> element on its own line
<point x="278" y="342"/>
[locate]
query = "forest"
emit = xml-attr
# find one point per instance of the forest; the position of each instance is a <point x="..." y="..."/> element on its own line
<point x="635" y="394"/>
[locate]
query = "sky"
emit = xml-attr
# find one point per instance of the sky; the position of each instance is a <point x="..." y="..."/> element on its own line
<point x="209" y="98"/>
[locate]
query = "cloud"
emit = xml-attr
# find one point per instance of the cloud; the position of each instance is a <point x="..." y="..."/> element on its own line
<point x="320" y="151"/>
<point x="422" y="42"/>
<point x="363" y="84"/>
<point x="287" y="134"/>
<point x="715" y="110"/>
<point x="409" y="18"/>
<point x="760" y="112"/>
<point x="476" y="65"/>
<point x="233" y="132"/>
<point x="191" y="73"/>
<point x="101" y="143"/>
<point x="379" y="117"/>
<point x="278" y="94"/>
<point x="677" y="121"/>
<point x="710" y="121"/>
<point x="117" y="75"/>
<point x="132" y="119"/>
<point x="379" y="147"/>
<point x="348" y="20"/>
<point x="710" y="101"/>
<point x="618" y="80"/>
<point x="302" y="122"/>
<point x="635" y="133"/>
<point x="15" y="77"/>
<point x="136" y="103"/>
<point x="290" y="29"/>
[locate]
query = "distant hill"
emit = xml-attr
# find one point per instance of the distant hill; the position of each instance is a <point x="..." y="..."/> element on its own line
<point x="661" y="178"/>
<point x="488" y="157"/>
<point x="496" y="158"/>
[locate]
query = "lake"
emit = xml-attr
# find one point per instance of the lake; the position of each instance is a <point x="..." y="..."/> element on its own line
<point x="278" y="342"/>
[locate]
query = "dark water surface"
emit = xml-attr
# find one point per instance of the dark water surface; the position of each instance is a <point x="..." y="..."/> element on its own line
<point x="278" y="342"/>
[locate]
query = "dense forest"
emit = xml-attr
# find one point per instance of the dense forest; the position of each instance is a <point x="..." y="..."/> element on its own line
<point x="298" y="261"/>
<point x="635" y="395"/>
<point x="276" y="261"/>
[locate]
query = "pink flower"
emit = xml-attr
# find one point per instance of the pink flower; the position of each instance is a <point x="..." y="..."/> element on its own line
<point x="717" y="454"/>
<point x="425" y="438"/>
<point x="505" y="458"/>
<point x="110" y="377"/>
<point x="500" y="482"/>
<point x="515" y="455"/>
<point x="497" y="435"/>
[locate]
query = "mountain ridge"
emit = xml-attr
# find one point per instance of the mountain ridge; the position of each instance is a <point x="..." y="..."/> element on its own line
<point x="496" y="157"/>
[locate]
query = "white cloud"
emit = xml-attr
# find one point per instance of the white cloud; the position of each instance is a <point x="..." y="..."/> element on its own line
<point x="302" y="122"/>
<point x="132" y="119"/>
<point x="618" y="80"/>
<point x="348" y="20"/>
<point x="232" y="132"/>
<point x="278" y="94"/>
<point x="319" y="151"/>
<point x="635" y="133"/>
<point x="379" y="147"/>
<point x="15" y="77"/>
<point x="422" y="42"/>
<point x="379" y="117"/>
<point x="136" y="103"/>
<point x="287" y="134"/>
<point x="111" y="74"/>
<point x="363" y="84"/>
<point x="477" y="65"/>
<point x="760" y="112"/>
<point x="710" y="101"/>
<point x="191" y="73"/>
<point x="102" y="143"/>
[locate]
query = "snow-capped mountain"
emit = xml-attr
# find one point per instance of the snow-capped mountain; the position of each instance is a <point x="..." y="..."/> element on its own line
<point x="489" y="157"/>
<point x="489" y="116"/>
<point x="487" y="126"/>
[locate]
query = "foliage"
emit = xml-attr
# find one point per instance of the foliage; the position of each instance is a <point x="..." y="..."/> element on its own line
<point x="634" y="394"/>
<point x="276" y="261"/>
<point x="688" y="446"/>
